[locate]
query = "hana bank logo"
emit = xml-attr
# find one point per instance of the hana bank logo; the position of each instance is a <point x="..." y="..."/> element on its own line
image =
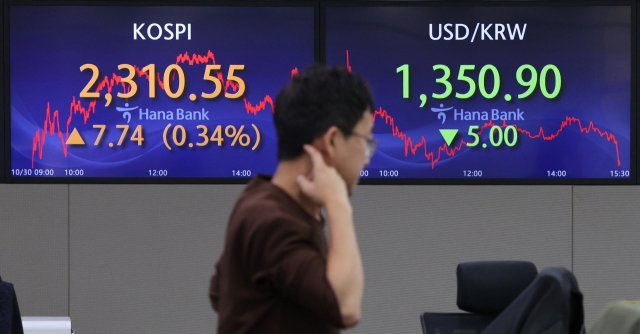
<point x="441" y="112"/>
<point x="126" y="115"/>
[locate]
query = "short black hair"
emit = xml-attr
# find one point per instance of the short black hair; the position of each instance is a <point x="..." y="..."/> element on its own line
<point x="315" y="100"/>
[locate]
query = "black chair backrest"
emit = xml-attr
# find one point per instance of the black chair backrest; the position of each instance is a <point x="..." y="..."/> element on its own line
<point x="552" y="303"/>
<point x="488" y="287"/>
<point x="485" y="288"/>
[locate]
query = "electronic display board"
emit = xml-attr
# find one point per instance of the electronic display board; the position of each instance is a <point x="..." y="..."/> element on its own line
<point x="150" y="91"/>
<point x="466" y="93"/>
<point x="499" y="92"/>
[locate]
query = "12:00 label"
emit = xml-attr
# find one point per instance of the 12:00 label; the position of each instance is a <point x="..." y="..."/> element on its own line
<point x="158" y="172"/>
<point x="472" y="173"/>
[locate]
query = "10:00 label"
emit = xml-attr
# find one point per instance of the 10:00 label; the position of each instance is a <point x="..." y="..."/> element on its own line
<point x="74" y="172"/>
<point x="389" y="173"/>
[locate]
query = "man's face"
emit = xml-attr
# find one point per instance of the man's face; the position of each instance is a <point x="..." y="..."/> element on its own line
<point x="351" y="155"/>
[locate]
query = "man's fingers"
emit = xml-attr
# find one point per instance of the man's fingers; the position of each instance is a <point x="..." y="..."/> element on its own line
<point x="304" y="183"/>
<point x="316" y="157"/>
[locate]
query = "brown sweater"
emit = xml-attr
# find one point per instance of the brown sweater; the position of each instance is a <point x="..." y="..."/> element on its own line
<point x="271" y="275"/>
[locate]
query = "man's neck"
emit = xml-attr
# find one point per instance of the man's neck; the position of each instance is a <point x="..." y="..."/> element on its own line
<point x="285" y="178"/>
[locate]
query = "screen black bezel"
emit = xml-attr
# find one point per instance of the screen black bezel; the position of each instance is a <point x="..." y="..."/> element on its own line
<point x="3" y="117"/>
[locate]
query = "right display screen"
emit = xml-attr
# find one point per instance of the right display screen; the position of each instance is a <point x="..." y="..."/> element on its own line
<point x="493" y="92"/>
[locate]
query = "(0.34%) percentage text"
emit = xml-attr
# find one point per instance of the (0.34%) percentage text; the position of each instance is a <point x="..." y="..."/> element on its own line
<point x="178" y="136"/>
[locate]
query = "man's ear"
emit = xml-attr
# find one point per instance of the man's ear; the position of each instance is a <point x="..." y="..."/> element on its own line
<point x="327" y="144"/>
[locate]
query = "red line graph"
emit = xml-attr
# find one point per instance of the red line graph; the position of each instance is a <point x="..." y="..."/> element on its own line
<point x="51" y="126"/>
<point x="262" y="105"/>
<point x="435" y="156"/>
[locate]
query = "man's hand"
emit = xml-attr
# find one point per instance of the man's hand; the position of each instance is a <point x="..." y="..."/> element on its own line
<point x="323" y="183"/>
<point x="344" y="266"/>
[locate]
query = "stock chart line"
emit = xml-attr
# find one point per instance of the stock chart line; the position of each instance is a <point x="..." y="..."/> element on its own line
<point x="51" y="126"/>
<point x="262" y="105"/>
<point x="434" y="156"/>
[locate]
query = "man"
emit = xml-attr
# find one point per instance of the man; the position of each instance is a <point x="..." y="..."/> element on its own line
<point x="277" y="273"/>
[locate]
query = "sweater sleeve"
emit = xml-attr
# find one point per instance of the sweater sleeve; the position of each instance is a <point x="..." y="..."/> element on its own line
<point x="281" y="254"/>
<point x="213" y="291"/>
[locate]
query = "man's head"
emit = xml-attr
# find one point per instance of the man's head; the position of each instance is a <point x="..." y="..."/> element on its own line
<point x="331" y="109"/>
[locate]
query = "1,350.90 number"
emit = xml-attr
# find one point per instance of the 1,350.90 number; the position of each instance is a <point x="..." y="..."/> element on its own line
<point x="522" y="73"/>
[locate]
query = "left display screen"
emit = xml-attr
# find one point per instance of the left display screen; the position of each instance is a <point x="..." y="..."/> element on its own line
<point x="150" y="92"/>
